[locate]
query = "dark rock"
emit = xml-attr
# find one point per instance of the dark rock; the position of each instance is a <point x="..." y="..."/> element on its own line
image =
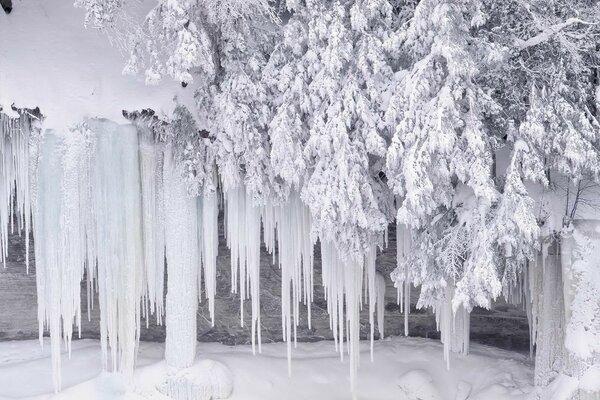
<point x="6" y="5"/>
<point x="504" y="326"/>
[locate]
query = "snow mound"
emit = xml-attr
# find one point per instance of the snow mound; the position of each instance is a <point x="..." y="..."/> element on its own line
<point x="499" y="391"/>
<point x="590" y="381"/>
<point x="463" y="390"/>
<point x="418" y="385"/>
<point x="205" y="380"/>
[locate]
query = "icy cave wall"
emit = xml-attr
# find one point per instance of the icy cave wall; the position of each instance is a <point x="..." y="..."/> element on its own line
<point x="504" y="326"/>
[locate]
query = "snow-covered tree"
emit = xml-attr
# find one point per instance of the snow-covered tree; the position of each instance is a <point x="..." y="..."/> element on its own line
<point x="234" y="107"/>
<point x="442" y="149"/>
<point x="328" y="77"/>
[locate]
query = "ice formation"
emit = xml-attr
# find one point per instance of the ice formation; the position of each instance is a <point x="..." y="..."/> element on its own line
<point x="243" y="239"/>
<point x="453" y="325"/>
<point x="287" y="234"/>
<point x="210" y="248"/>
<point x="16" y="135"/>
<point x="343" y="282"/>
<point x="153" y="222"/>
<point x="87" y="190"/>
<point x="109" y="191"/>
<point x="183" y="266"/>
<point x="119" y="247"/>
<point x="403" y="243"/>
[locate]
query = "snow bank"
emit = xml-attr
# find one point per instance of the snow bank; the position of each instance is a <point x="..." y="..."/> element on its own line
<point x="401" y="364"/>
<point x="49" y="60"/>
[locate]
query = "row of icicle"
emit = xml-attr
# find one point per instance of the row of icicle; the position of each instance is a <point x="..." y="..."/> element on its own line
<point x="110" y="205"/>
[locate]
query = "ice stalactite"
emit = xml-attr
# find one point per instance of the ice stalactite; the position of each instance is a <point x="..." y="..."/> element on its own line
<point x="454" y="325"/>
<point x="119" y="245"/>
<point x="243" y="239"/>
<point x="375" y="288"/>
<point x="153" y="222"/>
<point x="17" y="135"/>
<point x="529" y="278"/>
<point x="183" y="266"/>
<point x="62" y="219"/>
<point x="210" y="248"/>
<point x="343" y="280"/>
<point x="289" y="224"/>
<point x="369" y="271"/>
<point x="403" y="243"/>
<point x="380" y="302"/>
<point x="88" y="221"/>
<point x="548" y="316"/>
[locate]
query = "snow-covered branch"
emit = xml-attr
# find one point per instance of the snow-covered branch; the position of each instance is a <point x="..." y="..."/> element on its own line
<point x="548" y="32"/>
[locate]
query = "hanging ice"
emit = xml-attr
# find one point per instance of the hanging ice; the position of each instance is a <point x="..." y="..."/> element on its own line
<point x="153" y="218"/>
<point x="17" y="135"/>
<point x="210" y="248"/>
<point x="342" y="280"/>
<point x="454" y="326"/>
<point x="403" y="243"/>
<point x="243" y="239"/>
<point x="290" y="225"/>
<point x="61" y="238"/>
<point x="88" y="190"/>
<point x="117" y="204"/>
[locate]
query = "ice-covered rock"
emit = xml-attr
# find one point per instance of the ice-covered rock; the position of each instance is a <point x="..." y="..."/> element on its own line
<point x="205" y="380"/>
<point x="418" y="385"/>
<point x="463" y="390"/>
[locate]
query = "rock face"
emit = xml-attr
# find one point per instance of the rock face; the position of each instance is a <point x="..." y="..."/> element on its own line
<point x="504" y="326"/>
<point x="6" y="5"/>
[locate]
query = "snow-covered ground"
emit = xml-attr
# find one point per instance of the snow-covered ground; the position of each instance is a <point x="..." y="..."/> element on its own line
<point x="404" y="368"/>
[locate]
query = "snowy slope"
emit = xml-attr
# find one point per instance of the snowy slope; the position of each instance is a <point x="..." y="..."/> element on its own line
<point x="49" y="60"/>
<point x="404" y="368"/>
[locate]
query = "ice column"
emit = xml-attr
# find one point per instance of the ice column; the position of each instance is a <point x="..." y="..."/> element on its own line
<point x="183" y="266"/>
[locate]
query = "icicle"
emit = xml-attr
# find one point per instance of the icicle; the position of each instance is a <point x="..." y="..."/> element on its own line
<point x="528" y="303"/>
<point x="372" y="295"/>
<point x="243" y="239"/>
<point x="380" y="301"/>
<point x="16" y="138"/>
<point x="210" y="248"/>
<point x="119" y="245"/>
<point x="454" y="327"/>
<point x="403" y="243"/>
<point x="63" y="217"/>
<point x="153" y="220"/>
<point x="290" y="224"/>
<point x="547" y="316"/>
<point x="406" y="292"/>
<point x="342" y="281"/>
<point x="183" y="266"/>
